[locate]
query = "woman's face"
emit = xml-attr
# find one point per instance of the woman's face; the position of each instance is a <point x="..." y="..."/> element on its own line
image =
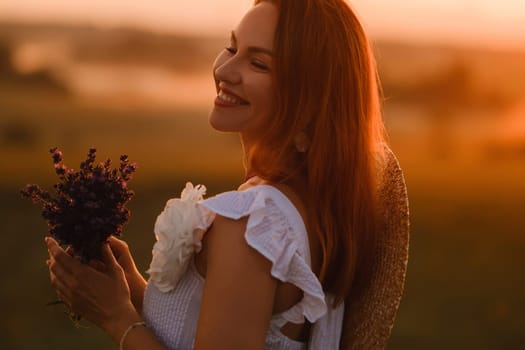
<point x="243" y="77"/>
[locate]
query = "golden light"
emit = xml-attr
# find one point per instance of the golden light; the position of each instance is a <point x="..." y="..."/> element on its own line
<point x="473" y="22"/>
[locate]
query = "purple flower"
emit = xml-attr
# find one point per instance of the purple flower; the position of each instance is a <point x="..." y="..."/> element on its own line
<point x="88" y="205"/>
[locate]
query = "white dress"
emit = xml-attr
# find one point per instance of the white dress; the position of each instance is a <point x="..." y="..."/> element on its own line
<point x="276" y="230"/>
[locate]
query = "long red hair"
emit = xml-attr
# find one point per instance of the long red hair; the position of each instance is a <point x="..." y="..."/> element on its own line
<point x="326" y="87"/>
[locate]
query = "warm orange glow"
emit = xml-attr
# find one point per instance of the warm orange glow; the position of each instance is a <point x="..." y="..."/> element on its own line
<point x="472" y="22"/>
<point x="455" y="117"/>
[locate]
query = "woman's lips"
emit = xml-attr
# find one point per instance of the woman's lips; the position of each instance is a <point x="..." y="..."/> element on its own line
<point x="226" y="98"/>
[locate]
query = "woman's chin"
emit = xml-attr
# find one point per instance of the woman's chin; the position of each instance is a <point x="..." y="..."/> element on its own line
<point x="218" y="124"/>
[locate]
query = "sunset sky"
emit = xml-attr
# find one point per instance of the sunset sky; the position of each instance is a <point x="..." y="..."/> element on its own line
<point x="484" y="22"/>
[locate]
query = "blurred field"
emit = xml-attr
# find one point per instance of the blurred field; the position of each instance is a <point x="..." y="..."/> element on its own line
<point x="456" y="120"/>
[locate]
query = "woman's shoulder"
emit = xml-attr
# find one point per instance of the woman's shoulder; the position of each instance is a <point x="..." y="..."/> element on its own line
<point x="274" y="213"/>
<point x="277" y="191"/>
<point x="259" y="197"/>
<point x="266" y="218"/>
<point x="294" y="205"/>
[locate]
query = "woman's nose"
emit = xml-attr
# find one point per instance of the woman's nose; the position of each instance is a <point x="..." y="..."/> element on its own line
<point x="227" y="69"/>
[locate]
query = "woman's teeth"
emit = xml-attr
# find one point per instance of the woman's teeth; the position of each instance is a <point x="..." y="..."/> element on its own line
<point x="230" y="99"/>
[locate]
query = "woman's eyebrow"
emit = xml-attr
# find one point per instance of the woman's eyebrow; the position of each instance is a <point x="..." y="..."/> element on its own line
<point x="233" y="39"/>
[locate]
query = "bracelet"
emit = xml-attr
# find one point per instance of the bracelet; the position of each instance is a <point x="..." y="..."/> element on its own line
<point x="131" y="326"/>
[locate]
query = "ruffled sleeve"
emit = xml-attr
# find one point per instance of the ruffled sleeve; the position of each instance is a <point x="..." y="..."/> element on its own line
<point x="276" y="230"/>
<point x="178" y="232"/>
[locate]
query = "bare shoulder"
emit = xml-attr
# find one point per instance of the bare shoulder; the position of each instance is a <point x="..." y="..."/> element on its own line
<point x="251" y="182"/>
<point x="292" y="196"/>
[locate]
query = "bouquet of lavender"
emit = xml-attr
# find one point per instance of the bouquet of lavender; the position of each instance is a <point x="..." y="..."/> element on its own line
<point x="89" y="204"/>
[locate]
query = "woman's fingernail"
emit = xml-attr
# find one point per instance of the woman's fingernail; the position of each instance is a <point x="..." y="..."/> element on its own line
<point x="48" y="262"/>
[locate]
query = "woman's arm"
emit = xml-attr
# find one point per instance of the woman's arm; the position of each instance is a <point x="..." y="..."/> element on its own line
<point x="239" y="291"/>
<point x="236" y="305"/>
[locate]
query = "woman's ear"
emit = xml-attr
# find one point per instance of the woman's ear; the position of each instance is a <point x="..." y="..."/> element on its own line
<point x="301" y="142"/>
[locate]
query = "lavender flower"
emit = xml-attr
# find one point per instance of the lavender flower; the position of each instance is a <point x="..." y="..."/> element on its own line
<point x="89" y="204"/>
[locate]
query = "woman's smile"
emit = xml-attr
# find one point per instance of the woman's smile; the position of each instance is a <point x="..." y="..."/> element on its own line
<point x="226" y="98"/>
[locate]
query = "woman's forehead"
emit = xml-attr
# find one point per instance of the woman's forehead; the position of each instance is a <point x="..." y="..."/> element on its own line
<point x="257" y="27"/>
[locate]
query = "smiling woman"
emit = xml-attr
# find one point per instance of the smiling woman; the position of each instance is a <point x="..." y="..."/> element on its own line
<point x="243" y="78"/>
<point x="272" y="264"/>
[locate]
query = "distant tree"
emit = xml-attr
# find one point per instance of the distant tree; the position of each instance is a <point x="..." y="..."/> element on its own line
<point x="448" y="90"/>
<point x="6" y="68"/>
<point x="41" y="79"/>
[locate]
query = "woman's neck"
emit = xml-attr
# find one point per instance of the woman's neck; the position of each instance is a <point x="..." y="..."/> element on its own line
<point x="246" y="147"/>
<point x="297" y="182"/>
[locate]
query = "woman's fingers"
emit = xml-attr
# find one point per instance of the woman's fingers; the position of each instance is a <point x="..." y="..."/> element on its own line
<point x="97" y="265"/>
<point x="71" y="252"/>
<point x="58" y="275"/>
<point x="64" y="258"/>
<point x="62" y="291"/>
<point x="121" y="252"/>
<point x="63" y="271"/>
<point x="118" y="246"/>
<point x="108" y="258"/>
<point x="56" y="251"/>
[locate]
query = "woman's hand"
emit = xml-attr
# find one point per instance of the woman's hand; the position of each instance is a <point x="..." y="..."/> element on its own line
<point x="136" y="282"/>
<point x="100" y="295"/>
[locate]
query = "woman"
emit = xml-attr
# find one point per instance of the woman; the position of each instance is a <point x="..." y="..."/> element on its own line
<point x="298" y="83"/>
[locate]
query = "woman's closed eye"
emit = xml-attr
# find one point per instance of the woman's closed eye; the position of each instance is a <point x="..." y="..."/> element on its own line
<point x="231" y="49"/>
<point x="256" y="63"/>
<point x="259" y="65"/>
